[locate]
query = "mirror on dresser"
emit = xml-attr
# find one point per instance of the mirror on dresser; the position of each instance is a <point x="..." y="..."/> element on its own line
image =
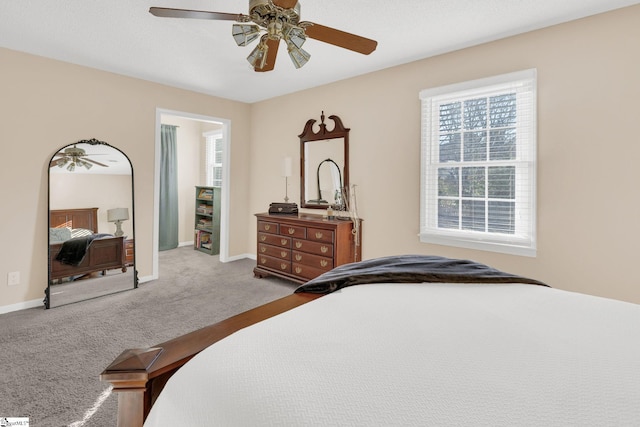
<point x="91" y="240"/>
<point x="324" y="164"/>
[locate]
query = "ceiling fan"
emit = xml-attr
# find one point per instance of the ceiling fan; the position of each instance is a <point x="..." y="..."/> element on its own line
<point x="72" y="157"/>
<point x="275" y="20"/>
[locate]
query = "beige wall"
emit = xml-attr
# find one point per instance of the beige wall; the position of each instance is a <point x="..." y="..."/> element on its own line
<point x="587" y="173"/>
<point x="102" y="191"/>
<point x="588" y="150"/>
<point x="46" y="104"/>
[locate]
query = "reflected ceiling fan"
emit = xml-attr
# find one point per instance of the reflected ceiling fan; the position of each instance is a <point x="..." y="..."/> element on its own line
<point x="275" y="20"/>
<point x="72" y="157"/>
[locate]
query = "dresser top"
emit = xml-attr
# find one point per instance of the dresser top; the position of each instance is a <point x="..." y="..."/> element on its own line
<point x="301" y="217"/>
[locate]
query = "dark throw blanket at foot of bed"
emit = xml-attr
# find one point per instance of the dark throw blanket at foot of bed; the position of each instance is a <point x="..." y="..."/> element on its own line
<point x="74" y="250"/>
<point x="410" y="269"/>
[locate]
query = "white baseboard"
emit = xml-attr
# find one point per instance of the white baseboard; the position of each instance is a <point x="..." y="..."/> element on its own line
<point x="22" y="305"/>
<point x="145" y="279"/>
<point x="181" y="244"/>
<point x="242" y="256"/>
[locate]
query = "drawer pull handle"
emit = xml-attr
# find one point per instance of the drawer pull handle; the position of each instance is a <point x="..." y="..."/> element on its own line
<point x="298" y="270"/>
<point x="318" y="235"/>
<point x="324" y="249"/>
<point x="298" y="245"/>
<point x="263" y="238"/>
<point x="283" y="242"/>
<point x="291" y="230"/>
<point x="298" y="257"/>
<point x="324" y="263"/>
<point x="263" y="260"/>
<point x="267" y="227"/>
<point x="263" y="249"/>
<point x="283" y="254"/>
<point x="283" y="266"/>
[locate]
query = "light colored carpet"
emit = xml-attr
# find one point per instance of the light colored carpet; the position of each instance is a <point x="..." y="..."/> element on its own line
<point x="51" y="359"/>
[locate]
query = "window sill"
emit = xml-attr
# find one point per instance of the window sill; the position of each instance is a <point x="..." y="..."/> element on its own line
<point x="505" y="248"/>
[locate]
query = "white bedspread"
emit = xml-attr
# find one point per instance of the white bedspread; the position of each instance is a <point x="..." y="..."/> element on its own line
<point x="420" y="355"/>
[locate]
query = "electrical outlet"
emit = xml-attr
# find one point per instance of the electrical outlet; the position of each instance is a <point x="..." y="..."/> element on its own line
<point x="13" y="278"/>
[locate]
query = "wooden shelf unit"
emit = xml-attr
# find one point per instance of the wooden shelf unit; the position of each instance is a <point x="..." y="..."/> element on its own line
<point x="207" y="220"/>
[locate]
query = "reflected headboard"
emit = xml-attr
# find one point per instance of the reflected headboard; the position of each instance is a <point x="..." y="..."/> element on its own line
<point x="74" y="218"/>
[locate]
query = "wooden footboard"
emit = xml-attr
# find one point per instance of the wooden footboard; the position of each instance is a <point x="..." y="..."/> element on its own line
<point x="102" y="254"/>
<point x="138" y="375"/>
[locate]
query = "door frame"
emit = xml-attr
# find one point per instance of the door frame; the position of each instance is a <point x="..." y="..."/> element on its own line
<point x="224" y="193"/>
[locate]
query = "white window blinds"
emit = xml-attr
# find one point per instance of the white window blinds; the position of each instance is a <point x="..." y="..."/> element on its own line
<point x="213" y="159"/>
<point x="478" y="164"/>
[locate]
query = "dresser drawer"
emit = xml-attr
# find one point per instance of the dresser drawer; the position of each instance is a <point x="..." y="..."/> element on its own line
<point x="128" y="252"/>
<point x="293" y="231"/>
<point x="268" y="227"/>
<point x="272" y="263"/>
<point x="317" y="248"/>
<point x="274" y="251"/>
<point x="306" y="272"/>
<point x="320" y="235"/>
<point x="320" y="262"/>
<point x="275" y="240"/>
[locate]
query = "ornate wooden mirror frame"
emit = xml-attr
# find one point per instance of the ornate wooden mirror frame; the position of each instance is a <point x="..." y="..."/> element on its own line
<point x="316" y="149"/>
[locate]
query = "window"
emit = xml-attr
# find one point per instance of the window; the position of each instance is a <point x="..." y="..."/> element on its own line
<point x="214" y="150"/>
<point x="478" y="164"/>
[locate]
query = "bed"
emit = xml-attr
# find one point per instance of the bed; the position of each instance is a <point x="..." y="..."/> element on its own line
<point x="408" y="340"/>
<point x="101" y="252"/>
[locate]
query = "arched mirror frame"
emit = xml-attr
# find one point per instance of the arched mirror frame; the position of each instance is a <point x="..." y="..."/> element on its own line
<point x="93" y="141"/>
<point x="307" y="136"/>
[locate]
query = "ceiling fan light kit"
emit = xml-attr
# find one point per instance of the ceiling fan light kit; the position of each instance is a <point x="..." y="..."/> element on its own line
<point x="299" y="57"/>
<point x="75" y="156"/>
<point x="276" y="20"/>
<point x="244" y="34"/>
<point x="258" y="57"/>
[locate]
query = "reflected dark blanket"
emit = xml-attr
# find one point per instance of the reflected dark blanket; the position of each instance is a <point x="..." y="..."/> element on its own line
<point x="410" y="269"/>
<point x="74" y="250"/>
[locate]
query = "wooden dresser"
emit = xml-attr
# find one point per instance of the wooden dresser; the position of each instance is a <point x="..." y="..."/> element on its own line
<point x="299" y="248"/>
<point x="128" y="252"/>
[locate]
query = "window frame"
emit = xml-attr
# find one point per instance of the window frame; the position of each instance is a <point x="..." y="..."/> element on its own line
<point x="213" y="139"/>
<point x="523" y="241"/>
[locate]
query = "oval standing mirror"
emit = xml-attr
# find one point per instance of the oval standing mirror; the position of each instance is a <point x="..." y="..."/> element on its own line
<point x="91" y="227"/>
<point x="324" y="159"/>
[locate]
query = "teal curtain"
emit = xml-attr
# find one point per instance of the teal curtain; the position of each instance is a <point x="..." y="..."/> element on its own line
<point x="168" y="221"/>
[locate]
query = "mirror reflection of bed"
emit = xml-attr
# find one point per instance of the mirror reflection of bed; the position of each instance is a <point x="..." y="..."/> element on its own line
<point x="91" y="234"/>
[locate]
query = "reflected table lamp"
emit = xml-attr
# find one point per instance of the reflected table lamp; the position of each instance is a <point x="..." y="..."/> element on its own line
<point x="118" y="215"/>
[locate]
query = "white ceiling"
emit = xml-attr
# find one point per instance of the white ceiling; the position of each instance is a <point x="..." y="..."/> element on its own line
<point x="121" y="36"/>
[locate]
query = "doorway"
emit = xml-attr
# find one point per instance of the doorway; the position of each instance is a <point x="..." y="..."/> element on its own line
<point x="203" y="125"/>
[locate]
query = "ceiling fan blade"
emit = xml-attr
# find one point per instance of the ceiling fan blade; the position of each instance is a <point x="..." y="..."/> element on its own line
<point x="285" y="4"/>
<point x="339" y="38"/>
<point x="165" y="12"/>
<point x="272" y="53"/>
<point x="56" y="158"/>
<point x="94" y="162"/>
